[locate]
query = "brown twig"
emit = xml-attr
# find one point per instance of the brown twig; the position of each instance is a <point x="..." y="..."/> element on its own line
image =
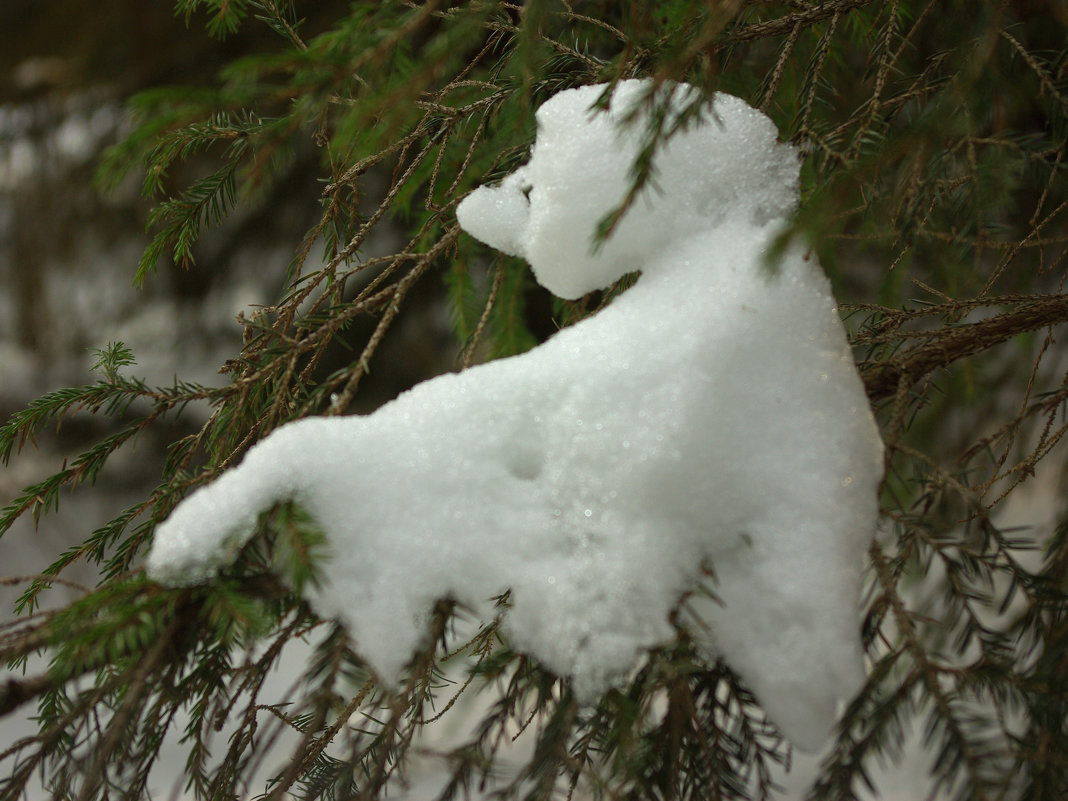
<point x="946" y="345"/>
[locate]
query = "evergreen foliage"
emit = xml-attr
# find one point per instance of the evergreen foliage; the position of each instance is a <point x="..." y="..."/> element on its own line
<point x="935" y="194"/>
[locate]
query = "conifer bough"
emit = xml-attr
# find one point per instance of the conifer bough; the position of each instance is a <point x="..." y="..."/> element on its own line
<point x="932" y="135"/>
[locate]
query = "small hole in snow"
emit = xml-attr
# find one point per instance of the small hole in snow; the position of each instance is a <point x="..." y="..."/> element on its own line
<point x="524" y="462"/>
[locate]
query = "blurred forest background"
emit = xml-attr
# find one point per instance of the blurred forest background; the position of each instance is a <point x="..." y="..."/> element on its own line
<point x="69" y="251"/>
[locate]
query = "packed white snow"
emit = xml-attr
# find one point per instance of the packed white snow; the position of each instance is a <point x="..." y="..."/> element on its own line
<point x="710" y="416"/>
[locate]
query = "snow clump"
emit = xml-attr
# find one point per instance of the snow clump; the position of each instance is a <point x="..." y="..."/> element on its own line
<point x="711" y="416"/>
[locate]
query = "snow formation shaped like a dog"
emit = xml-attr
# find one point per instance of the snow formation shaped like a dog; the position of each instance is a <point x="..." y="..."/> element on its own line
<point x="710" y="416"/>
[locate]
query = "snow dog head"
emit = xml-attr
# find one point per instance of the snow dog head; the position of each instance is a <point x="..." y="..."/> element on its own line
<point x="581" y="166"/>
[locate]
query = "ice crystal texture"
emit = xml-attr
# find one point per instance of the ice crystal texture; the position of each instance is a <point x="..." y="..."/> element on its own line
<point x="710" y="417"/>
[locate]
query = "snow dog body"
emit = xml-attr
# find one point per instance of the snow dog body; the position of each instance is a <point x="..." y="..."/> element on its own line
<point x="710" y="418"/>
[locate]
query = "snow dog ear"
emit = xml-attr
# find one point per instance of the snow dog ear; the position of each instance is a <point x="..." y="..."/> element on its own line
<point x="726" y="166"/>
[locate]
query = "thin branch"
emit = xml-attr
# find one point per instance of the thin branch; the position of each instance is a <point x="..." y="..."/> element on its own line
<point x="952" y="343"/>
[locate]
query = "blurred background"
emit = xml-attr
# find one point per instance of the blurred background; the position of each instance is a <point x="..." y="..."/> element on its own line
<point x="69" y="252"/>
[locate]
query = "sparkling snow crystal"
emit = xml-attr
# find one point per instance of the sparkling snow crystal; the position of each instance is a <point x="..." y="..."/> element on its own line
<point x="711" y="415"/>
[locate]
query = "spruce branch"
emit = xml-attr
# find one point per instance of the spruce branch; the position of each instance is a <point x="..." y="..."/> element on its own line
<point x="937" y="152"/>
<point x="785" y="24"/>
<point x="946" y="345"/>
